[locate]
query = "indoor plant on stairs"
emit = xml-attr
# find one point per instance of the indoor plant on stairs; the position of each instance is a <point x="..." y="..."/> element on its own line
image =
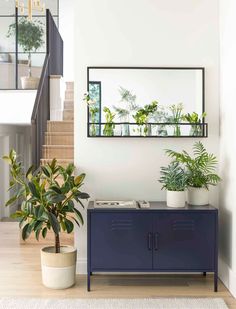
<point x="48" y="198"/>
<point x="174" y="180"/>
<point x="200" y="171"/>
<point x="30" y="38"/>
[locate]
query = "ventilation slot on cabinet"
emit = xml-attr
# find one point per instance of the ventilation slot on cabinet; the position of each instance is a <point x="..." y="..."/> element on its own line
<point x="119" y="225"/>
<point x="183" y="229"/>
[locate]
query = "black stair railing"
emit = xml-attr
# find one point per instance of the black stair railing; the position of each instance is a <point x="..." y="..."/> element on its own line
<point x="53" y="65"/>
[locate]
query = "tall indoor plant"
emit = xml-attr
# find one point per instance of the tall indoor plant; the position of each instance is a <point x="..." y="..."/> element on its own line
<point x="48" y="200"/>
<point x="201" y="172"/>
<point x="174" y="180"/>
<point x="30" y="38"/>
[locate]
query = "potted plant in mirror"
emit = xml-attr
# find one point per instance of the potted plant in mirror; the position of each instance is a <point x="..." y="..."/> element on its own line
<point x="93" y="111"/>
<point x="48" y="200"/>
<point x="195" y="120"/>
<point x="201" y="174"/>
<point x="110" y="125"/>
<point x="174" y="180"/>
<point x="30" y="38"/>
<point x="142" y="117"/>
<point x="176" y="117"/>
<point x="161" y="117"/>
<point x="128" y="101"/>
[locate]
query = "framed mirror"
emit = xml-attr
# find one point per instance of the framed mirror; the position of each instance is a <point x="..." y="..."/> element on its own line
<point x="146" y="102"/>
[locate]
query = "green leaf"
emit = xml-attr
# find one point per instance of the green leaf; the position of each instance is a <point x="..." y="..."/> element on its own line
<point x="44" y="232"/>
<point x="37" y="234"/>
<point x="33" y="189"/>
<point x="29" y="171"/>
<point x="78" y="214"/>
<point x="79" y="179"/>
<point x="69" y="225"/>
<point x="54" y="223"/>
<point x="45" y="171"/>
<point x="56" y="189"/>
<point x="26" y="231"/>
<point x="83" y="195"/>
<point x="11" y="201"/>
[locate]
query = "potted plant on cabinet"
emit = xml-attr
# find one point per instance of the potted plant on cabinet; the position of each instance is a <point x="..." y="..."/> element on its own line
<point x="200" y="171"/>
<point x="48" y="198"/>
<point x="30" y="38"/>
<point x="109" y="126"/>
<point x="174" y="180"/>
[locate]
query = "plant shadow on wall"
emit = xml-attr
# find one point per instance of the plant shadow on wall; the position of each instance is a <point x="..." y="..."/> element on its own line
<point x="150" y="120"/>
<point x="48" y="198"/>
<point x="30" y="37"/>
<point x="196" y="173"/>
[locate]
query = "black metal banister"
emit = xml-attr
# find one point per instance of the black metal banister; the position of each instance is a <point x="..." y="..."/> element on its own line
<point x="53" y="65"/>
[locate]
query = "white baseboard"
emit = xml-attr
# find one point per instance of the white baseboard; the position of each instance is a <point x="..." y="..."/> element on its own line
<point x="81" y="266"/>
<point x="227" y="276"/>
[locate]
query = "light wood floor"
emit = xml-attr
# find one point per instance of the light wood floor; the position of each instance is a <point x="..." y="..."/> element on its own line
<point x="20" y="276"/>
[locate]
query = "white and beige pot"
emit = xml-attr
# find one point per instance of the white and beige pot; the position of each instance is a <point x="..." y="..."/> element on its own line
<point x="175" y="198"/>
<point x="197" y="196"/>
<point x="29" y="82"/>
<point x="58" y="269"/>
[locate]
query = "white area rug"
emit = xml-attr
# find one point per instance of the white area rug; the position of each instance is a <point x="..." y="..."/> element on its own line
<point x="150" y="303"/>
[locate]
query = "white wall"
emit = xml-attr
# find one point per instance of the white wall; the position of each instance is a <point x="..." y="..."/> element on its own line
<point x="16" y="106"/>
<point x="140" y="33"/>
<point x="66" y="29"/>
<point x="228" y="145"/>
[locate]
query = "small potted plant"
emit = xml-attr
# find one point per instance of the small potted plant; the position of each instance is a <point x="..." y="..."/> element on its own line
<point x="201" y="168"/>
<point x="48" y="200"/>
<point x="109" y="126"/>
<point x="30" y="38"/>
<point x="174" y="180"/>
<point x="195" y="120"/>
<point x="142" y="117"/>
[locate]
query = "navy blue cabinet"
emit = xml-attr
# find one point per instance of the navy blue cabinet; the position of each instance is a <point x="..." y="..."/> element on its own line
<point x="158" y="239"/>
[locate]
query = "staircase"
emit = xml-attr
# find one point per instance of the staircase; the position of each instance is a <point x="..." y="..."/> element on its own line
<point x="59" y="138"/>
<point x="59" y="144"/>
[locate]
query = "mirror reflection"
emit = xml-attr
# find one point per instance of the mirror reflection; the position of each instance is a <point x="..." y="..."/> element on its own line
<point x="153" y="102"/>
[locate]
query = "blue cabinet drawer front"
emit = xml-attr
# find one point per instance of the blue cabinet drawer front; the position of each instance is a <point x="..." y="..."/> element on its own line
<point x="120" y="241"/>
<point x="184" y="241"/>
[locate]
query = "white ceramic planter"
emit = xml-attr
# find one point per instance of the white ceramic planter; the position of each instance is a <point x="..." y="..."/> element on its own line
<point x="175" y="198"/>
<point x="58" y="269"/>
<point x="29" y="82"/>
<point x="197" y="196"/>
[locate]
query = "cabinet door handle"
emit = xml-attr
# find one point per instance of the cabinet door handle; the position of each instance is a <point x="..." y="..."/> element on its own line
<point x="149" y="241"/>
<point x="156" y="241"/>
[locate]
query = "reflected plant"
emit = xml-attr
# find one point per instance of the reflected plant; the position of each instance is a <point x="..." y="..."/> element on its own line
<point x="176" y="117"/>
<point x="161" y="116"/>
<point x="142" y="117"/>
<point x="196" y="120"/>
<point x="109" y="126"/>
<point x="123" y="113"/>
<point x="93" y="110"/>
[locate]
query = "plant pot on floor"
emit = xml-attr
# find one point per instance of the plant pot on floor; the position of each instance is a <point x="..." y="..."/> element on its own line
<point x="175" y="199"/>
<point x="197" y="196"/>
<point x="29" y="82"/>
<point x="58" y="269"/>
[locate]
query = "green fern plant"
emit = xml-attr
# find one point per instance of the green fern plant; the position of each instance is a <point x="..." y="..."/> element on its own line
<point x="173" y="177"/>
<point x="200" y="168"/>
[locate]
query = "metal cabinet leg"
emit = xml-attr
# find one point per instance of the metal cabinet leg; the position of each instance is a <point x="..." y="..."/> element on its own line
<point x="215" y="282"/>
<point x="88" y="282"/>
<point x="204" y="274"/>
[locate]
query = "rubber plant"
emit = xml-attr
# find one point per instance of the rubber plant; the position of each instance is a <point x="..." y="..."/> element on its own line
<point x="30" y="36"/>
<point x="48" y="198"/>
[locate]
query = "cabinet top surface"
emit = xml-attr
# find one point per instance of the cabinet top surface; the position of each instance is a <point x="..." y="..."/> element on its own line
<point x="154" y="206"/>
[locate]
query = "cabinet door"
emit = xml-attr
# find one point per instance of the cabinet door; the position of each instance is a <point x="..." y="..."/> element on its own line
<point x="184" y="241"/>
<point x="121" y="241"/>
